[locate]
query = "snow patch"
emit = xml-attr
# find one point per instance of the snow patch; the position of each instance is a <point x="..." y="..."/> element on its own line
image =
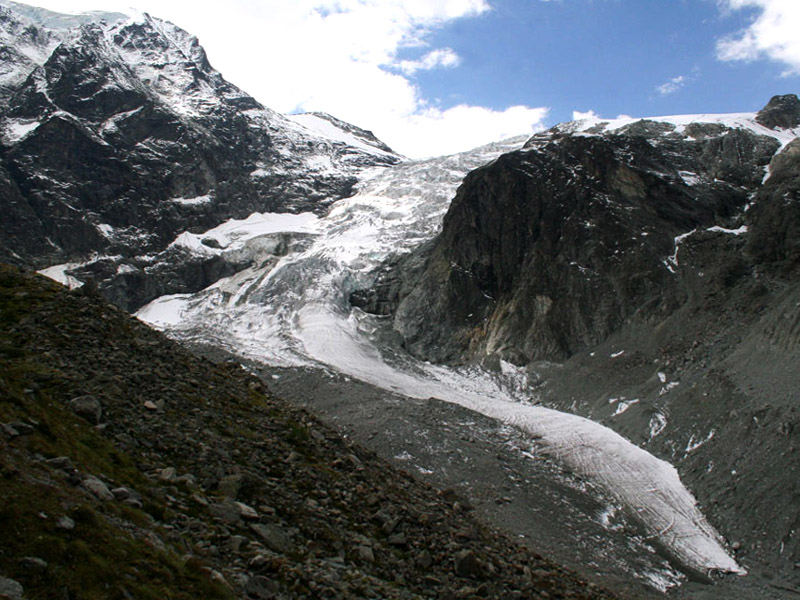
<point x="747" y="121"/>
<point x="166" y="311"/>
<point x="689" y="178"/>
<point x="123" y="268"/>
<point x="106" y="229"/>
<point x="624" y="406"/>
<point x="693" y="444"/>
<point x="197" y="200"/>
<point x="668" y="387"/>
<point x="658" y="423"/>
<point x="324" y="128"/>
<point x="739" y="231"/>
<point x="234" y="233"/>
<point x="59" y="274"/>
<point x="15" y="130"/>
<point x="672" y="261"/>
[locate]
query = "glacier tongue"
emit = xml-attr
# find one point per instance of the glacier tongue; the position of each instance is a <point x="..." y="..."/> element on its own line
<point x="292" y="309"/>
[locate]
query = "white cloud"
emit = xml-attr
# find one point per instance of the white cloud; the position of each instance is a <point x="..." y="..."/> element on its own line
<point x="672" y="86"/>
<point x="441" y="57"/>
<point x="774" y="34"/>
<point x="433" y="132"/>
<point x="589" y="115"/>
<point x="341" y="57"/>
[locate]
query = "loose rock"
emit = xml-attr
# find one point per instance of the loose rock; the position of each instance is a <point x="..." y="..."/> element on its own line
<point x="10" y="589"/>
<point x="98" y="488"/>
<point x="87" y="407"/>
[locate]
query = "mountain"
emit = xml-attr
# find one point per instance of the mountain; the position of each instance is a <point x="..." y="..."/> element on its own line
<point x="133" y="469"/>
<point x="591" y="334"/>
<point x="117" y="136"/>
<point x="645" y="274"/>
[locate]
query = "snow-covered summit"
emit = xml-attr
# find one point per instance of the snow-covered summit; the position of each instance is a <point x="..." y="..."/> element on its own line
<point x="677" y="126"/>
<point x="331" y="128"/>
<point x="55" y="20"/>
<point x="109" y="120"/>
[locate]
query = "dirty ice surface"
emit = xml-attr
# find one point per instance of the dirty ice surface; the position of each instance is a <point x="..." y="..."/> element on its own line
<point x="294" y="310"/>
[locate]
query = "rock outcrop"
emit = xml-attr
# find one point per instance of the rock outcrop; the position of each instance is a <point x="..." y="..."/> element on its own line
<point x="548" y="250"/>
<point x="646" y="275"/>
<point x="118" y="135"/>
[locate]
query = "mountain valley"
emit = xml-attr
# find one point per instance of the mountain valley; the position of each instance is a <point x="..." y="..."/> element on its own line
<point x="588" y="338"/>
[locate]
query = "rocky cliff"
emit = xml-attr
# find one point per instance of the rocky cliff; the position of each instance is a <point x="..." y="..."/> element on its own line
<point x="548" y="250"/>
<point x="646" y="272"/>
<point x="117" y="135"/>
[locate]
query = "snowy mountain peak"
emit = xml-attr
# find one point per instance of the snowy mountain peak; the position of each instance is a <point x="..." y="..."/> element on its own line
<point x="111" y="130"/>
<point x="329" y="127"/>
<point x="780" y="120"/>
<point x="54" y="20"/>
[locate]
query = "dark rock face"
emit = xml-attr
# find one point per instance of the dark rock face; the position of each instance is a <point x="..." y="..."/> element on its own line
<point x="775" y="218"/>
<point x="549" y="250"/>
<point x="103" y="142"/>
<point x="649" y="280"/>
<point x="782" y="112"/>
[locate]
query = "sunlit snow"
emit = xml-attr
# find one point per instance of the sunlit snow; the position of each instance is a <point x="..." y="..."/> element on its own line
<point x="296" y="312"/>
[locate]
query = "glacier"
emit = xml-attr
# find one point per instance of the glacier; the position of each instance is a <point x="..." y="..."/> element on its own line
<point x="291" y="308"/>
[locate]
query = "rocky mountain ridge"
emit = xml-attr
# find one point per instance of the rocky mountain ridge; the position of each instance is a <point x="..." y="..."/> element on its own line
<point x="118" y="135"/>
<point x="642" y="273"/>
<point x="131" y="468"/>
<point x="646" y="275"/>
<point x="588" y="226"/>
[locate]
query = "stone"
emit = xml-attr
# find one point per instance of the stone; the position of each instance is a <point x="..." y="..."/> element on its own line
<point x="230" y="485"/>
<point x="22" y="428"/>
<point x="248" y="513"/>
<point x="8" y="431"/>
<point x="98" y="488"/>
<point x="200" y="499"/>
<point x="227" y="512"/>
<point x="88" y="408"/>
<point x="261" y="588"/>
<point x="275" y="538"/>
<point x="63" y="463"/>
<point x="33" y="563"/>
<point x="467" y="564"/>
<point x="65" y="523"/>
<point x="365" y="553"/>
<point x="187" y="479"/>
<point x="258" y="561"/>
<point x="168" y="474"/>
<point x="121" y="493"/>
<point x="10" y="589"/>
<point x="237" y="543"/>
<point x="151" y="406"/>
<point x="133" y="502"/>
<point x="424" y="559"/>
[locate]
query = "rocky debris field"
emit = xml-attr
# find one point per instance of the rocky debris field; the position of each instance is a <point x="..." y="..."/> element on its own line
<point x="131" y="468"/>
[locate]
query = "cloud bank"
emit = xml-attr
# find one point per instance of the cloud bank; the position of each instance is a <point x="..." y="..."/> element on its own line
<point x="341" y="57"/>
<point x="774" y="34"/>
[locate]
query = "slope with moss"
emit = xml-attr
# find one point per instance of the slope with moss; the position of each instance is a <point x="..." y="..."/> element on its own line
<point x="132" y="469"/>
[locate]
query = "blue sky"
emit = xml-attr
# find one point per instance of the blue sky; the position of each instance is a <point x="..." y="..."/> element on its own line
<point x="438" y="76"/>
<point x="612" y="57"/>
<point x="646" y="57"/>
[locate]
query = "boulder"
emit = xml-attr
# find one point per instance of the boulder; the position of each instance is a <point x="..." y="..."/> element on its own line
<point x="87" y="407"/>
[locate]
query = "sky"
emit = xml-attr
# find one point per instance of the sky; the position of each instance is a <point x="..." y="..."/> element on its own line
<point x="434" y="77"/>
